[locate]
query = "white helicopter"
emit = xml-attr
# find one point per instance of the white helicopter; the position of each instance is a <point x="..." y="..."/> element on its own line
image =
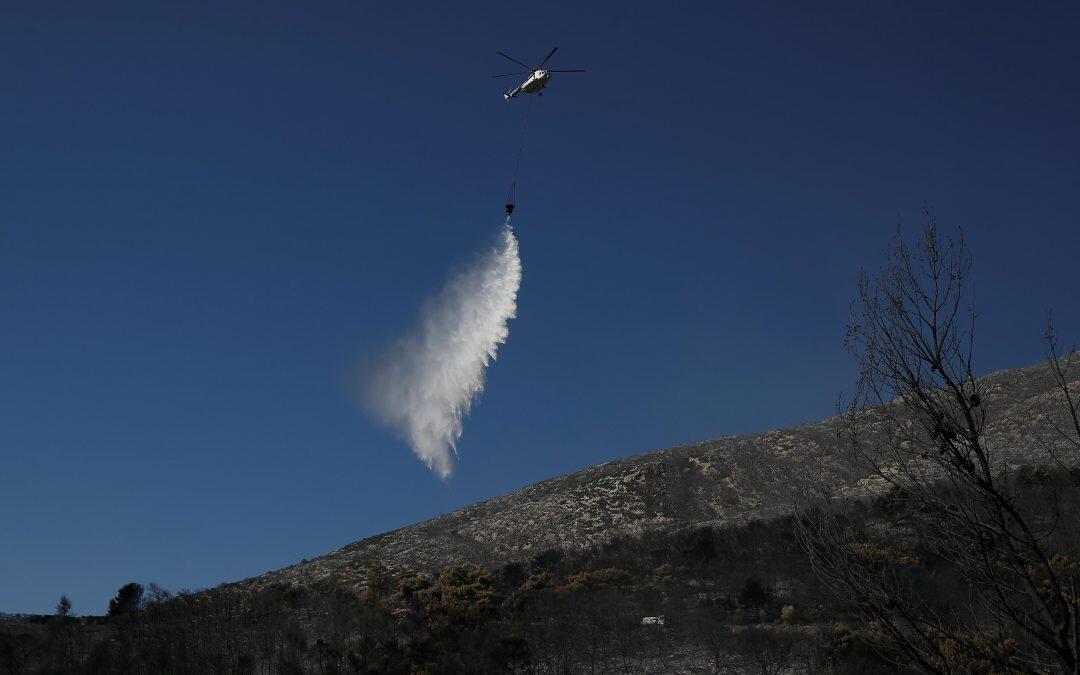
<point x="538" y="77"/>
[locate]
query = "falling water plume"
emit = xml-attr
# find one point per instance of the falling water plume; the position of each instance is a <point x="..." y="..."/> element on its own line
<point x="427" y="381"/>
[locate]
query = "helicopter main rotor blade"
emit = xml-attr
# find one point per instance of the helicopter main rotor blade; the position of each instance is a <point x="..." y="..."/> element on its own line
<point x="524" y="72"/>
<point x="546" y="58"/>
<point x="523" y="65"/>
<point x="566" y="71"/>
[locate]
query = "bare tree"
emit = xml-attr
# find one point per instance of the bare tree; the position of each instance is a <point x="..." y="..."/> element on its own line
<point x="157" y="594"/>
<point x="918" y="423"/>
<point x="1063" y="417"/>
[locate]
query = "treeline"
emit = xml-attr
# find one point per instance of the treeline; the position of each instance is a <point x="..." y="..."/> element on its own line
<point x="712" y="600"/>
<point x="738" y="599"/>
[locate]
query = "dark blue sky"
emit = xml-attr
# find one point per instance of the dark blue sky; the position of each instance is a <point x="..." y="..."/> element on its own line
<point x="211" y="212"/>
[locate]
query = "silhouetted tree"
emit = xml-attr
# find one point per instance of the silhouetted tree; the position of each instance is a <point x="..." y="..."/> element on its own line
<point x="513" y="575"/>
<point x="547" y="560"/>
<point x="157" y="594"/>
<point x="63" y="607"/>
<point x="701" y="545"/>
<point x="918" y="422"/>
<point x="128" y="599"/>
<point x="754" y="594"/>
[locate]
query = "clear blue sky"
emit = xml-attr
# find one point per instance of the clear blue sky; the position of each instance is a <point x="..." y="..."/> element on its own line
<point x="210" y="212"/>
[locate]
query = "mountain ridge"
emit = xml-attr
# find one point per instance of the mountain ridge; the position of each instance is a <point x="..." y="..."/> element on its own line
<point x="727" y="481"/>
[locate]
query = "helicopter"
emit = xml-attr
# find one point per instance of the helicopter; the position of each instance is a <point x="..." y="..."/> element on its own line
<point x="537" y="77"/>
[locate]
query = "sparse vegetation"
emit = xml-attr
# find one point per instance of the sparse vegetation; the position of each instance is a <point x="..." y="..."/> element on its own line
<point x="578" y="611"/>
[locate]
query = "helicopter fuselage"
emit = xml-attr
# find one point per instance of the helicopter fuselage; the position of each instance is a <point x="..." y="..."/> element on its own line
<point x="536" y="81"/>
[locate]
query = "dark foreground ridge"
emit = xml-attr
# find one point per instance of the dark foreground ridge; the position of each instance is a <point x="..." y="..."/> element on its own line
<point x="726" y="482"/>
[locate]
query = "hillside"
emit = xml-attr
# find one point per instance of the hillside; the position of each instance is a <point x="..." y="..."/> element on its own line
<point x="723" y="482"/>
<point x="683" y="560"/>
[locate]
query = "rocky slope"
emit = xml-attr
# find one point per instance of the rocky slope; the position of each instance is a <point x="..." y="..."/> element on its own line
<point x="720" y="482"/>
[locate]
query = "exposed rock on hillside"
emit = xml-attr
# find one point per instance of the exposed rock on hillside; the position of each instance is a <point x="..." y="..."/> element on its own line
<point x="720" y="482"/>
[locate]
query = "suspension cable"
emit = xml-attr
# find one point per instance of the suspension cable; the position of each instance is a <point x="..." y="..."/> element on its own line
<point x="517" y="162"/>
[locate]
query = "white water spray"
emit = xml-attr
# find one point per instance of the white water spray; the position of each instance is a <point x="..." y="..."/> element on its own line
<point x="427" y="382"/>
